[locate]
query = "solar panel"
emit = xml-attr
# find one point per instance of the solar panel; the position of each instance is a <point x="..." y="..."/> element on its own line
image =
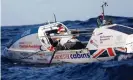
<point x="122" y="29"/>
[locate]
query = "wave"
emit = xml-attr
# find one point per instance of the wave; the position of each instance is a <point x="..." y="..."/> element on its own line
<point x="110" y="70"/>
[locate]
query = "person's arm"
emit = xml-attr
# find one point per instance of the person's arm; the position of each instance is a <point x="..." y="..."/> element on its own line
<point x="98" y="22"/>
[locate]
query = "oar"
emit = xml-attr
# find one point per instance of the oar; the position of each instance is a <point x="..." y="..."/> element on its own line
<point x="53" y="54"/>
<point x="52" y="57"/>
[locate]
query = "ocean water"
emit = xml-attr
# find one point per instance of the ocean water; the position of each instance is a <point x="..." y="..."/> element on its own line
<point x="108" y="70"/>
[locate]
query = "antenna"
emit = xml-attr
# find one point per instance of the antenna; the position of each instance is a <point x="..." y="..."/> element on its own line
<point x="54" y="17"/>
<point x="104" y="5"/>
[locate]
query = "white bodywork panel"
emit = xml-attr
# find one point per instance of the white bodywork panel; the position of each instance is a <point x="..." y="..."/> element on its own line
<point x="103" y="38"/>
<point x="27" y="43"/>
<point x="42" y="34"/>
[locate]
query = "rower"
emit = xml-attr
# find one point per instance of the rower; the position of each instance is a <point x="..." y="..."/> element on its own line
<point x="62" y="40"/>
<point x="55" y="42"/>
<point x="68" y="42"/>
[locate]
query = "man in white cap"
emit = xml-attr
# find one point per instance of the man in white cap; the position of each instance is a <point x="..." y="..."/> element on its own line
<point x="68" y="41"/>
<point x="63" y="36"/>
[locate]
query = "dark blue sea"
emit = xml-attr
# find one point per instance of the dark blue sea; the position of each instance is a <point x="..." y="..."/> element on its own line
<point x="108" y="70"/>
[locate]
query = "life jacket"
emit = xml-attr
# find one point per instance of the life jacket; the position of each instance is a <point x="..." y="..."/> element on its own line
<point x="61" y="28"/>
<point x="51" y="48"/>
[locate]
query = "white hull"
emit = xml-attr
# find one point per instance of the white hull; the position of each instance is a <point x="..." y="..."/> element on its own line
<point x="37" y="45"/>
<point x="69" y="56"/>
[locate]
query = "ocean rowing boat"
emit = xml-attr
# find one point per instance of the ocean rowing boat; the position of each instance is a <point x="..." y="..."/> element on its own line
<point x="48" y="44"/>
<point x="106" y="43"/>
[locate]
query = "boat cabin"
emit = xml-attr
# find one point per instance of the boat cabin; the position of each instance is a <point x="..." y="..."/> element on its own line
<point x="57" y="35"/>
